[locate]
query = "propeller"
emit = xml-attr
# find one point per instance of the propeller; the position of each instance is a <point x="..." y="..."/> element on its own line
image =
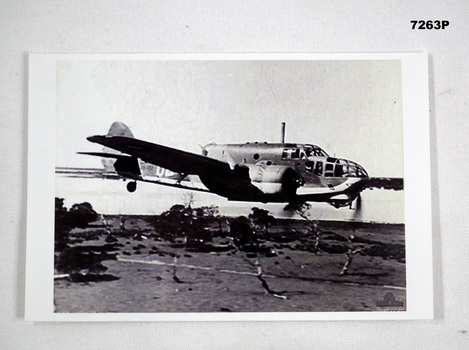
<point x="358" y="207"/>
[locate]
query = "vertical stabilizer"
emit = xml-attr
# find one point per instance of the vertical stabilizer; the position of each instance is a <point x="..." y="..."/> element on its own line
<point x="119" y="129"/>
<point x="116" y="129"/>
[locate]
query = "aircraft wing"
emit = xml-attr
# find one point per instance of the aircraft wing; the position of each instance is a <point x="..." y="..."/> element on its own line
<point x="169" y="158"/>
<point x="187" y="183"/>
<point x="386" y="183"/>
<point x="87" y="173"/>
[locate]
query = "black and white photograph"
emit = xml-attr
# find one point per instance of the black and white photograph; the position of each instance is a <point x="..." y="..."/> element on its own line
<point x="224" y="175"/>
<point x="229" y="185"/>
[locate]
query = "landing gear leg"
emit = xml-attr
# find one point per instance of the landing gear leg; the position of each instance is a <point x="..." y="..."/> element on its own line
<point x="132" y="186"/>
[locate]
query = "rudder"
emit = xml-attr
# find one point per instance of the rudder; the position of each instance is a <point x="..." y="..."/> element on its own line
<point x="119" y="129"/>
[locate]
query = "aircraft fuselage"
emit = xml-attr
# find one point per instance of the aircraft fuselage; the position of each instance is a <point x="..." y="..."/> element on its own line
<point x="252" y="171"/>
<point x="281" y="171"/>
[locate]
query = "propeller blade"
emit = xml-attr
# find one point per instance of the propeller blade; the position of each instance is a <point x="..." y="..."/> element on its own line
<point x="358" y="207"/>
<point x="359" y="202"/>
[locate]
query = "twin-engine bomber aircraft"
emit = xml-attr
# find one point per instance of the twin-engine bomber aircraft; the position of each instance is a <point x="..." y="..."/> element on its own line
<point x="253" y="172"/>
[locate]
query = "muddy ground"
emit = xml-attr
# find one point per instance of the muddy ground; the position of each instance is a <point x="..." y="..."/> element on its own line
<point x="130" y="268"/>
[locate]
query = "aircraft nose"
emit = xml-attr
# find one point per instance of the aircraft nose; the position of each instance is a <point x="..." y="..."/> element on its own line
<point x="354" y="169"/>
<point x="339" y="167"/>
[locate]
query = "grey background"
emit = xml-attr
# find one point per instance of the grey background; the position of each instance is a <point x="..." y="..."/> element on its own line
<point x="234" y="26"/>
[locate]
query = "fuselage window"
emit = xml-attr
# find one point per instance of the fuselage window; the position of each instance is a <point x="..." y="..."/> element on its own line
<point x="256" y="156"/>
<point x="291" y="153"/>
<point x="329" y="170"/>
<point x="339" y="170"/>
<point x="318" y="168"/>
<point x="296" y="153"/>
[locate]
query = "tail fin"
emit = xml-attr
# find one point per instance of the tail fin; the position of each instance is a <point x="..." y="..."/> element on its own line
<point x="119" y="129"/>
<point x="116" y="129"/>
<point x="110" y="156"/>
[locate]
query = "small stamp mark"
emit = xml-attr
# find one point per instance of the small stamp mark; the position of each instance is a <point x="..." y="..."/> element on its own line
<point x="389" y="301"/>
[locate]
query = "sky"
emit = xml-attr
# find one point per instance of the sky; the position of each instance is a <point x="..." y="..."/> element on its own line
<point x="352" y="109"/>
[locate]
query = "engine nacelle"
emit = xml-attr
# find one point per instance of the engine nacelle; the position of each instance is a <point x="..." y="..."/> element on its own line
<point x="127" y="166"/>
<point x="274" y="179"/>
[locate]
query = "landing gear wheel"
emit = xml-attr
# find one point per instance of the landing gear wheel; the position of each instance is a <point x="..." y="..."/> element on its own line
<point x="132" y="186"/>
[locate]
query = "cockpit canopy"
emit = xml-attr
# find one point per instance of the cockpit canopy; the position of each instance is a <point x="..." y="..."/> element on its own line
<point x="314" y="151"/>
<point x="293" y="151"/>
